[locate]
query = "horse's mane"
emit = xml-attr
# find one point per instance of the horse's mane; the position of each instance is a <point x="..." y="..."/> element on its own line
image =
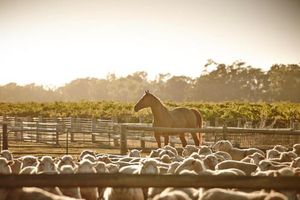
<point x="157" y="98"/>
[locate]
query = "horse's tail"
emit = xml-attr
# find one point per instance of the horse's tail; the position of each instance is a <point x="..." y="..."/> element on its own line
<point x="199" y="122"/>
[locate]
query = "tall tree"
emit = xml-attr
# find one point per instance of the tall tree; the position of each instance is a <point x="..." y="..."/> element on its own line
<point x="284" y="82"/>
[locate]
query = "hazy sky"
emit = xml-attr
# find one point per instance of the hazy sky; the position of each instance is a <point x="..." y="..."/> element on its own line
<point x="52" y="42"/>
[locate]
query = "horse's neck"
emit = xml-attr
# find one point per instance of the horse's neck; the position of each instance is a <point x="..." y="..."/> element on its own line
<point x="160" y="112"/>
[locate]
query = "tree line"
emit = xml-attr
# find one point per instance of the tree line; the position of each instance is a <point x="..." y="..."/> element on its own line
<point x="234" y="82"/>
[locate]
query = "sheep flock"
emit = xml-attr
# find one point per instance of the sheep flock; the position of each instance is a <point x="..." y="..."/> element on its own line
<point x="219" y="159"/>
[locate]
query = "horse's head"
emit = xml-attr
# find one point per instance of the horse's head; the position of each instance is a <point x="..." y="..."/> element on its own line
<point x="144" y="102"/>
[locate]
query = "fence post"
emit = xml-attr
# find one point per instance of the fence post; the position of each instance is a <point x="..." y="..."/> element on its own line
<point x="224" y="130"/>
<point x="67" y="142"/>
<point x="4" y="136"/>
<point x="123" y="139"/>
<point x="239" y="123"/>
<point x="296" y="125"/>
<point x="22" y="133"/>
<point x="172" y="144"/>
<point x="216" y="122"/>
<point x="142" y="140"/>
<point x="72" y="132"/>
<point x="38" y="139"/>
<point x="57" y="132"/>
<point x="94" y="121"/>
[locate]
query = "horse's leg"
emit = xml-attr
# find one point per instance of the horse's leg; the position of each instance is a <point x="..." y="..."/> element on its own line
<point x="166" y="136"/>
<point x="195" y="138"/>
<point x="200" y="138"/>
<point x="183" y="140"/>
<point x="157" y="138"/>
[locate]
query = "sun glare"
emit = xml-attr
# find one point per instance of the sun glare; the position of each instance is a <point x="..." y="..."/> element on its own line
<point x="51" y="44"/>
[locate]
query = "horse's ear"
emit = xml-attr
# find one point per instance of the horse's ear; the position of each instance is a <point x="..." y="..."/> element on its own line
<point x="146" y="91"/>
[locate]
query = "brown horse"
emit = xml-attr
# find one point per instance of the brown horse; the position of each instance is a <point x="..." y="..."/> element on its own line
<point x="177" y="118"/>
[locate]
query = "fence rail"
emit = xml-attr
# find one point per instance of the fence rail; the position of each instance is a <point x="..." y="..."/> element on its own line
<point x="50" y="130"/>
<point x="128" y="180"/>
<point x="208" y="130"/>
<point x="215" y="130"/>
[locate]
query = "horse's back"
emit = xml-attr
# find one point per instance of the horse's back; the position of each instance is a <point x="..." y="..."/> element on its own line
<point x="183" y="118"/>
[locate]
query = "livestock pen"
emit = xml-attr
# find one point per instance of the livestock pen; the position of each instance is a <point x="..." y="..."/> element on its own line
<point x="280" y="183"/>
<point x="70" y="135"/>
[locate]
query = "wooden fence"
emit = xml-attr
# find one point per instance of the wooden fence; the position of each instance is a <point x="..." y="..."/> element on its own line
<point x="56" y="130"/>
<point x="128" y="180"/>
<point x="124" y="128"/>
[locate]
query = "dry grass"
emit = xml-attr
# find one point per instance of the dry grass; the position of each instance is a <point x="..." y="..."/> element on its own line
<point x="106" y="146"/>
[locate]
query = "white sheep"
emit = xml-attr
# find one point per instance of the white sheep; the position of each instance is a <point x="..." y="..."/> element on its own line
<point x="163" y="170"/>
<point x="173" y="195"/>
<point x="190" y="164"/>
<point x="295" y="163"/>
<point x="276" y="196"/>
<point x="129" y="169"/>
<point x="222" y="155"/>
<point x="89" y="157"/>
<point x="149" y="166"/>
<point x="265" y="173"/>
<point x="204" y="150"/>
<point x="28" y="160"/>
<point x="172" y="167"/>
<point x="188" y="150"/>
<point x="195" y="155"/>
<point x="86" y="166"/>
<point x="170" y="148"/>
<point x="30" y="193"/>
<point x="248" y="168"/>
<point x="101" y="168"/>
<point x="7" y="154"/>
<point x="280" y="148"/>
<point x="66" y="160"/>
<point x="287" y="171"/>
<point x="123" y="193"/>
<point x="285" y="157"/>
<point x="224" y="194"/>
<point x="46" y="165"/>
<point x="227" y="172"/>
<point x="272" y="153"/>
<point x="69" y="191"/>
<point x="210" y="161"/>
<point x="112" y="168"/>
<point x="155" y="153"/>
<point x="254" y="158"/>
<point x="166" y="159"/>
<point x="166" y="152"/>
<point x="191" y="192"/>
<point x="296" y="149"/>
<point x="104" y="158"/>
<point x="85" y="152"/>
<point x="5" y="166"/>
<point x="269" y="165"/>
<point x="15" y="165"/>
<point x="236" y="153"/>
<point x="134" y="153"/>
<point x="153" y="191"/>
<point x="28" y="170"/>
